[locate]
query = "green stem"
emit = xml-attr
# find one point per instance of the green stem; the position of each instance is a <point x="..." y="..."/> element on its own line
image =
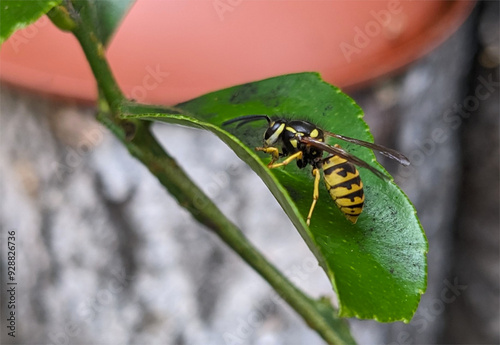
<point x="94" y="51"/>
<point x="142" y="145"/>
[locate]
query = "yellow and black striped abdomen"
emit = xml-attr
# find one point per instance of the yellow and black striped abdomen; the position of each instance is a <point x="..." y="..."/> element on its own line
<point x="344" y="185"/>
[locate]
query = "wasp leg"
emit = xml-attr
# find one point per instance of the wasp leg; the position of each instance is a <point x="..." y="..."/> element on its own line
<point x="317" y="176"/>
<point x="297" y="155"/>
<point x="273" y="151"/>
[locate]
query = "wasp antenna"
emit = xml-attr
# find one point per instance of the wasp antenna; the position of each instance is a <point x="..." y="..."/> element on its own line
<point x="246" y="119"/>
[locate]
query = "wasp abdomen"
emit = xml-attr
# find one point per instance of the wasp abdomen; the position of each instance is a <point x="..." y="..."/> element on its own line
<point x="344" y="185"/>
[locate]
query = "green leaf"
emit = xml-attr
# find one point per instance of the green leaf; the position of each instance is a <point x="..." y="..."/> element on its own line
<point x="109" y="14"/>
<point x="378" y="265"/>
<point x="15" y="15"/>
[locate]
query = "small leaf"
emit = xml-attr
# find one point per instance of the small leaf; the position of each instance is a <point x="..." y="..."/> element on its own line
<point x="17" y="14"/>
<point x="378" y="265"/>
<point x="109" y="15"/>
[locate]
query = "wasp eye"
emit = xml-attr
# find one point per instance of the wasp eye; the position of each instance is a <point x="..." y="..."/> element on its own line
<point x="273" y="132"/>
<point x="268" y="133"/>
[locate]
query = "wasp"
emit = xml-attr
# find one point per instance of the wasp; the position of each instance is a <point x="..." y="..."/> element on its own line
<point x="305" y="143"/>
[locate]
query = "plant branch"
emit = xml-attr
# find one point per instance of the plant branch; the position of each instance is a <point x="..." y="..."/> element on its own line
<point x="137" y="137"/>
<point x="80" y="12"/>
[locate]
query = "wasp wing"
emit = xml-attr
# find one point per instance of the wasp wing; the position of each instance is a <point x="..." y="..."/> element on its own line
<point x="393" y="154"/>
<point x="338" y="151"/>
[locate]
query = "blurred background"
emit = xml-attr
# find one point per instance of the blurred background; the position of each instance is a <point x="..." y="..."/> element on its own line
<point x="106" y="256"/>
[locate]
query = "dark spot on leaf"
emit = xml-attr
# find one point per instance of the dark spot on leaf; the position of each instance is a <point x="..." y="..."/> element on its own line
<point x="244" y="93"/>
<point x="294" y="194"/>
<point x="272" y="99"/>
<point x="327" y="109"/>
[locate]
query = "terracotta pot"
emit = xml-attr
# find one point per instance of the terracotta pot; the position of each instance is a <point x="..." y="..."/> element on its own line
<point x="170" y="51"/>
